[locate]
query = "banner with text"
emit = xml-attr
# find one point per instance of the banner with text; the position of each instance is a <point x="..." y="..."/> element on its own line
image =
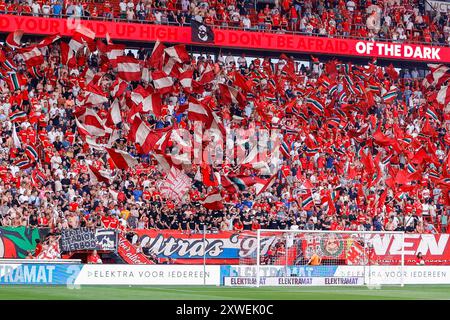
<point x="230" y="38"/>
<point x="88" y="239"/>
<point x="231" y="247"/>
<point x="334" y="275"/>
<point x="440" y="6"/>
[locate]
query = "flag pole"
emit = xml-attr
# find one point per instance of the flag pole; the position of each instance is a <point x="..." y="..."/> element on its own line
<point x="204" y="254"/>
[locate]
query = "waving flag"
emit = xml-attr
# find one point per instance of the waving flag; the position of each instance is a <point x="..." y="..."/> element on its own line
<point x="82" y="36"/>
<point x="178" y="53"/>
<point x="213" y="201"/>
<point x="176" y="185"/>
<point x="99" y="175"/>
<point x="13" y="40"/>
<point x="148" y="139"/>
<point x="157" y="57"/>
<point x="162" y="82"/>
<point x="33" y="57"/>
<point x="121" y="159"/>
<point x="128" y="68"/>
<point x="186" y="80"/>
<point x="315" y="105"/>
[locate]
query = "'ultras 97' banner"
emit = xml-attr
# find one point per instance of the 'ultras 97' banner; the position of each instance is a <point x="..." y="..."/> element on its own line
<point x="235" y="248"/>
<point x="231" y="39"/>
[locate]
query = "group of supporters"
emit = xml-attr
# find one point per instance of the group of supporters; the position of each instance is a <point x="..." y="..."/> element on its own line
<point x="399" y="21"/>
<point x="92" y="135"/>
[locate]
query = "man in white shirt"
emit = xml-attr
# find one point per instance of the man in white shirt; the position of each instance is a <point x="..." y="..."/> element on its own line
<point x="158" y="16"/>
<point x="36" y="8"/>
<point x="55" y="161"/>
<point x="46" y="10"/>
<point x="123" y="9"/>
<point x="246" y="22"/>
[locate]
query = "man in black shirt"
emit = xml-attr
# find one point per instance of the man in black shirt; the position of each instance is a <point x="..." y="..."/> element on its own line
<point x="283" y="224"/>
<point x="273" y="224"/>
<point x="247" y="221"/>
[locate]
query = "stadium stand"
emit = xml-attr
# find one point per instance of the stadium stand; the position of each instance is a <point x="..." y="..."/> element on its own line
<point x="91" y="132"/>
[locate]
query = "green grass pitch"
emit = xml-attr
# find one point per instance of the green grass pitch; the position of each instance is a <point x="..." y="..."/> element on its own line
<point x="407" y="292"/>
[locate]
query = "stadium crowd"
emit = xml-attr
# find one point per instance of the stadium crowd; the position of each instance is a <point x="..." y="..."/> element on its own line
<point x="398" y="21"/>
<point x="364" y="148"/>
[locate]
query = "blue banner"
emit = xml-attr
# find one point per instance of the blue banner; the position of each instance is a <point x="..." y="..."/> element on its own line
<point x="39" y="274"/>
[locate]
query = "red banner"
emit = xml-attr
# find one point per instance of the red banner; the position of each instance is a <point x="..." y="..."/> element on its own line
<point x="129" y="254"/>
<point x="234" y="248"/>
<point x="231" y="39"/>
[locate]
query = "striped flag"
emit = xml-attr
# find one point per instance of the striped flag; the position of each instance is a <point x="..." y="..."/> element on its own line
<point x="14" y="80"/>
<point x="176" y="185"/>
<point x="13" y="40"/>
<point x="18" y="116"/>
<point x="162" y="83"/>
<point x="308" y="202"/>
<point x="23" y="164"/>
<point x="121" y="159"/>
<point x="33" y="57"/>
<point x="38" y="177"/>
<point x="128" y="68"/>
<point x="432" y="113"/>
<point x="213" y="201"/>
<point x="99" y="175"/>
<point x="31" y="153"/>
<point x="390" y="96"/>
<point x="410" y="168"/>
<point x="315" y="105"/>
<point x="8" y="65"/>
<point x="178" y="53"/>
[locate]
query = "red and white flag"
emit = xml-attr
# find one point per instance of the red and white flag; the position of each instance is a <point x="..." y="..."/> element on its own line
<point x="162" y="82"/>
<point x="67" y="55"/>
<point x="186" y="80"/>
<point x="207" y="75"/>
<point x="82" y="36"/>
<point x="443" y="96"/>
<point x="95" y="95"/>
<point x="114" y="112"/>
<point x="199" y="112"/>
<point x="113" y="51"/>
<point x="128" y="68"/>
<point x="213" y="201"/>
<point x="176" y="185"/>
<point x="99" y="175"/>
<point x="153" y="103"/>
<point x="13" y="40"/>
<point x="121" y="159"/>
<point x="231" y="95"/>
<point x="148" y="139"/>
<point x="157" y="58"/>
<point x="178" y="53"/>
<point x="172" y="68"/>
<point x="33" y="57"/>
<point x="118" y="88"/>
<point x="88" y="120"/>
<point x="49" y="40"/>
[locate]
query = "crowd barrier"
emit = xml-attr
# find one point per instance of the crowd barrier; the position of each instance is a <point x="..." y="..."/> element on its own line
<point x="76" y="274"/>
<point x="223" y="248"/>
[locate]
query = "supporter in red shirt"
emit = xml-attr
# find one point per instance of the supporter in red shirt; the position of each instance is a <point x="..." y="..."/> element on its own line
<point x="94" y="258"/>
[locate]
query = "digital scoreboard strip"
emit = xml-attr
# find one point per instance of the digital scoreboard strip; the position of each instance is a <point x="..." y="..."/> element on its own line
<point x="294" y="281"/>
